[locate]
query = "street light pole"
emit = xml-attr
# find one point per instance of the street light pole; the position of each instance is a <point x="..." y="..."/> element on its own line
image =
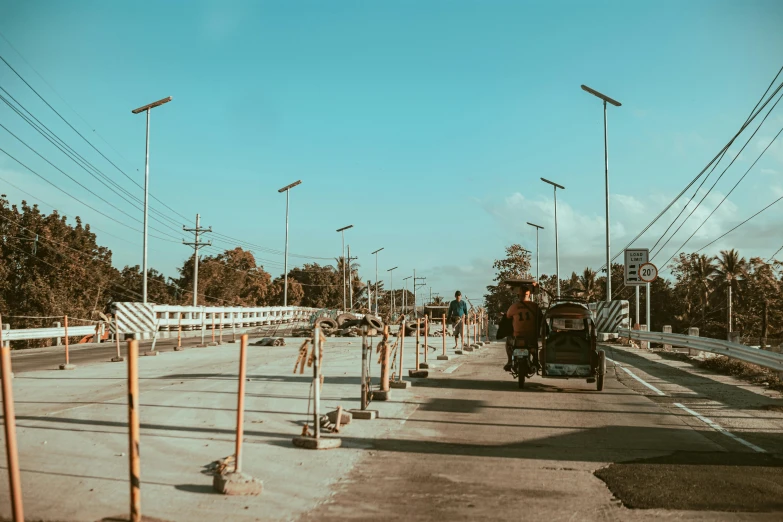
<point x="555" y="186"/>
<point x="606" y="175"/>
<point x="147" y="108"/>
<point x="285" y="263"/>
<point x="538" y="227"/>
<point x="376" y="278"/>
<point x="342" y="232"/>
<point x="405" y="295"/>
<point x="391" y="276"/>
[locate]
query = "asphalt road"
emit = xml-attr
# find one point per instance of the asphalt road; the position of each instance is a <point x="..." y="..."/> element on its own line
<point x="478" y="448"/>
<point x="85" y="354"/>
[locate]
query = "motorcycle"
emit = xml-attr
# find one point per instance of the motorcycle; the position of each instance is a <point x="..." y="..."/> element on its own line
<point x="522" y="364"/>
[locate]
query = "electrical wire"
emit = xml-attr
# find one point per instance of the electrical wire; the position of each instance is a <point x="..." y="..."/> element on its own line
<point x="728" y="194"/>
<point x="716" y="182"/>
<point x="754" y="114"/>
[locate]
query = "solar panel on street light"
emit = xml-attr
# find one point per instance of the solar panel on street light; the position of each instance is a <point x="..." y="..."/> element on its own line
<point x="602" y="96"/>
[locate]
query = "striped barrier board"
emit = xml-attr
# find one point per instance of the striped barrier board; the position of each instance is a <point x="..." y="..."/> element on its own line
<point x="133" y="318"/>
<point x="609" y="318"/>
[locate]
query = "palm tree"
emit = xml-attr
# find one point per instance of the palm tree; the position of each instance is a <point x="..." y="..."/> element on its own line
<point x="438" y="301"/>
<point x="702" y="273"/>
<point x="587" y="284"/>
<point x="732" y="269"/>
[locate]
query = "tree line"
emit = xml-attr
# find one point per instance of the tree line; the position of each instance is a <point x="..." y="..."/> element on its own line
<point x="716" y="294"/>
<point x="50" y="268"/>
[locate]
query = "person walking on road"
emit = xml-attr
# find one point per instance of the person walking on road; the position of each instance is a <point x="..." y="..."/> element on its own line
<point x="458" y="310"/>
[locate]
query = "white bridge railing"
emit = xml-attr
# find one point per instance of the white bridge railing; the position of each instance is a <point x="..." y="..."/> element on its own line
<point x="149" y="318"/>
<point x="771" y="360"/>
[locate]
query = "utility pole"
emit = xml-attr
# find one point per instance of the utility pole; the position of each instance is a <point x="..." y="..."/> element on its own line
<point x="405" y="295"/>
<point x="147" y="108"/>
<point x="350" y="274"/>
<point x="196" y="245"/>
<point x="391" y="276"/>
<point x="555" y="186"/>
<point x="415" y="286"/>
<point x="616" y="103"/>
<point x="342" y="255"/>
<point x="286" y="189"/>
<point x="376" y="277"/>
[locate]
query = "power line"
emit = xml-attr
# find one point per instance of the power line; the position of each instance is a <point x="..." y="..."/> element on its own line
<point x="74" y="156"/>
<point x="753" y="116"/>
<point x="716" y="182"/>
<point x="727" y="195"/>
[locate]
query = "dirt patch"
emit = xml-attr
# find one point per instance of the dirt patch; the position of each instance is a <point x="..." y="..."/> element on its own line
<point x="733" y="482"/>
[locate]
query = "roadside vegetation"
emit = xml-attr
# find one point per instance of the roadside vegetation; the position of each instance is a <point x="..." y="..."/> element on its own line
<point x="696" y="295"/>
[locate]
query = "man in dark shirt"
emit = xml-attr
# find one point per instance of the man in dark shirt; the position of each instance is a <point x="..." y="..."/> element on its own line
<point x="458" y="310"/>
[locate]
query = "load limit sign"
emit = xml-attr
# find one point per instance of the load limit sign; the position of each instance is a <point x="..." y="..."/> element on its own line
<point x="634" y="259"/>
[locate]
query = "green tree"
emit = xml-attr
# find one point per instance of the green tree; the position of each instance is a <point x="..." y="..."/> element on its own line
<point x="516" y="264"/>
<point x="730" y="271"/>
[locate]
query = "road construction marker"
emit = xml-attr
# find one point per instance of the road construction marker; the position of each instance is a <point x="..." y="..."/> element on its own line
<point x="629" y="372"/>
<point x="721" y="429"/>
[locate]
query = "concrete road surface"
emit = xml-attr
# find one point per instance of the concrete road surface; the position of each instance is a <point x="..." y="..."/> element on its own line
<point x="463" y="444"/>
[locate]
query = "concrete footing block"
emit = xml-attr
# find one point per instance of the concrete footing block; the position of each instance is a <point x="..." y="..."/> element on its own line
<point x="443" y="357"/>
<point x="364" y="414"/>
<point x="149" y="354"/>
<point x="424" y="366"/>
<point x="380" y="395"/>
<point x="345" y="419"/>
<point x="467" y="349"/>
<point x="179" y="348"/>
<point x="117" y="359"/>
<point x="458" y="352"/>
<point x="237" y="484"/>
<point x="67" y="366"/>
<point x="399" y="385"/>
<point x="419" y="374"/>
<point x="316" y="444"/>
<point x="212" y="344"/>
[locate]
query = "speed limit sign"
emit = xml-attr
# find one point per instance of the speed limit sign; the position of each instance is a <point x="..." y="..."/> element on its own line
<point x="648" y="272"/>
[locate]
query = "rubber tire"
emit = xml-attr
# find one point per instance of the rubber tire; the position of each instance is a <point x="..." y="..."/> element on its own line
<point x="521" y="373"/>
<point x="373" y="321"/>
<point x="326" y="323"/>
<point x="342" y="318"/>
<point x="599" y="382"/>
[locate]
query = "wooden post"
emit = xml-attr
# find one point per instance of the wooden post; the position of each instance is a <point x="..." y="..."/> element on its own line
<point x="133" y="425"/>
<point x="443" y="319"/>
<point x="317" y="381"/>
<point x="9" y="417"/>
<point x="117" y="334"/>
<point x="402" y="349"/>
<point x="67" y="357"/>
<point x="241" y="403"/>
<point x="385" y="359"/>
<point x="221" y="328"/>
<point x="426" y="335"/>
<point x="179" y="331"/>
<point x="213" y="327"/>
<point x="365" y="349"/>
<point x="418" y="325"/>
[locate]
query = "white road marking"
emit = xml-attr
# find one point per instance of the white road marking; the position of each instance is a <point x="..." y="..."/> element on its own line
<point x="451" y="369"/>
<point x="629" y="372"/>
<point x="721" y="429"/>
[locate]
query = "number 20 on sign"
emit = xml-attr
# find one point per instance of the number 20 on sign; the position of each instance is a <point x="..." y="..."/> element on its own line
<point x="648" y="272"/>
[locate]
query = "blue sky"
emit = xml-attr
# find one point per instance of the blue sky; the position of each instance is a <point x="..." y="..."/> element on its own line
<point x="426" y="125"/>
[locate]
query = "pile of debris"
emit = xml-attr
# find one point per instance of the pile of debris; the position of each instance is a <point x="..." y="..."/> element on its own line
<point x="344" y="325"/>
<point x="270" y="341"/>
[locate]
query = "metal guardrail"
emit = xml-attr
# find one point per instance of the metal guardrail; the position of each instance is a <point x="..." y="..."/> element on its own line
<point x="167" y="318"/>
<point x="28" y="334"/>
<point x="771" y="360"/>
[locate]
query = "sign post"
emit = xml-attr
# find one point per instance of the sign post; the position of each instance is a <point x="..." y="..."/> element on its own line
<point x="634" y="259"/>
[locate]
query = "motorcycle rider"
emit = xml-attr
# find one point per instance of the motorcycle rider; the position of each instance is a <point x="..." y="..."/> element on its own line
<point x="527" y="318"/>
